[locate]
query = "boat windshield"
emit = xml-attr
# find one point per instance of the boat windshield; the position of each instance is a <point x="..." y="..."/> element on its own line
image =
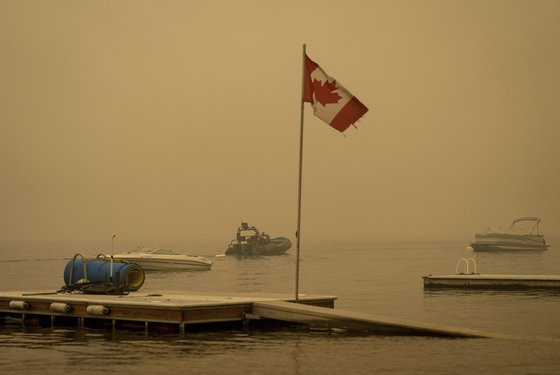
<point x="248" y="233"/>
<point x="155" y="250"/>
<point x="164" y="252"/>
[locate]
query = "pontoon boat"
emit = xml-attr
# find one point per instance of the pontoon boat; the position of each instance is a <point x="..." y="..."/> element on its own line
<point x="512" y="238"/>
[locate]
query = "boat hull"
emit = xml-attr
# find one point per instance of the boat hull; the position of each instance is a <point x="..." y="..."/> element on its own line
<point x="151" y="264"/>
<point x="508" y="242"/>
<point x="505" y="247"/>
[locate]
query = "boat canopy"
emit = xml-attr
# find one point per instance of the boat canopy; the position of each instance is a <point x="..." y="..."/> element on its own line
<point x="537" y="220"/>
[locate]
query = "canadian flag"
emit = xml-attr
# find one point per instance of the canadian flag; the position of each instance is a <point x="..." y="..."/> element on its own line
<point x="331" y="102"/>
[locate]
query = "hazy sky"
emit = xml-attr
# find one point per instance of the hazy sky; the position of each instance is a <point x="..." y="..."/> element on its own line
<point x="171" y="121"/>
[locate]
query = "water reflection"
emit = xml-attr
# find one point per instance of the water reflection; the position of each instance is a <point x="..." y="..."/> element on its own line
<point x="277" y="352"/>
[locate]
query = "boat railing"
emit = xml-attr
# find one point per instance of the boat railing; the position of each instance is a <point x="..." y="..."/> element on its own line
<point x="537" y="220"/>
<point x="466" y="261"/>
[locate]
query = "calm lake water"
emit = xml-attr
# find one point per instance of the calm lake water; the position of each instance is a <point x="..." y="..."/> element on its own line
<point x="382" y="278"/>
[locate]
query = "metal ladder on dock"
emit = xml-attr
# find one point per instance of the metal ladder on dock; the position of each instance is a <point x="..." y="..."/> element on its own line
<point x="466" y="261"/>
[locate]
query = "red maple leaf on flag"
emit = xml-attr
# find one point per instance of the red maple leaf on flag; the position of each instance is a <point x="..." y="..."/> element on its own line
<point x="325" y="93"/>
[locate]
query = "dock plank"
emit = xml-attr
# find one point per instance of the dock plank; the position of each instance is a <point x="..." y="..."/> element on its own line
<point x="331" y="318"/>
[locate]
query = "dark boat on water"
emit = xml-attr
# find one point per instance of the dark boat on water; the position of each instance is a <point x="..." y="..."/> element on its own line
<point x="250" y="242"/>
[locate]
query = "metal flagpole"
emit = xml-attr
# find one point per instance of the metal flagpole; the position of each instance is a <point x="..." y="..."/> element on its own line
<point x="298" y="232"/>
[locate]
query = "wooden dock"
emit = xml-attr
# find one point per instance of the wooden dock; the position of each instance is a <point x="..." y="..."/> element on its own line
<point x="178" y="312"/>
<point x="156" y="308"/>
<point x="506" y="281"/>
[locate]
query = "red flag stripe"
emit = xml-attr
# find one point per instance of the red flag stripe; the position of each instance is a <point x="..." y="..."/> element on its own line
<point x="349" y="114"/>
<point x="310" y="66"/>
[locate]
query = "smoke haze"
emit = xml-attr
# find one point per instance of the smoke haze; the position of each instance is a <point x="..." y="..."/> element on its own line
<point x="169" y="122"/>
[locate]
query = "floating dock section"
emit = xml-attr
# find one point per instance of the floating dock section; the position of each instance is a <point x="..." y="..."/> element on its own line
<point x="156" y="309"/>
<point x="473" y="279"/>
<point x="489" y="281"/>
<point x="332" y="318"/>
<point x="179" y="312"/>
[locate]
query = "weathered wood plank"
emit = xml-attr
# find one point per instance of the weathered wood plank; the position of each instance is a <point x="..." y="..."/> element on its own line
<point x="325" y="317"/>
<point x="215" y="314"/>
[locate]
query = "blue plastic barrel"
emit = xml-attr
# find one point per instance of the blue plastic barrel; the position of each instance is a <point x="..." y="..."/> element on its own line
<point x="99" y="270"/>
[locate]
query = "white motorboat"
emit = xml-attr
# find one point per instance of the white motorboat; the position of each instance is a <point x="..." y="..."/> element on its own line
<point x="158" y="259"/>
<point x="512" y="238"/>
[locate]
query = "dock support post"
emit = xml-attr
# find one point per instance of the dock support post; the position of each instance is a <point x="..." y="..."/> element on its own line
<point x="146" y="328"/>
<point x="182" y="328"/>
<point x="113" y="325"/>
<point x="52" y="321"/>
<point x="23" y="320"/>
